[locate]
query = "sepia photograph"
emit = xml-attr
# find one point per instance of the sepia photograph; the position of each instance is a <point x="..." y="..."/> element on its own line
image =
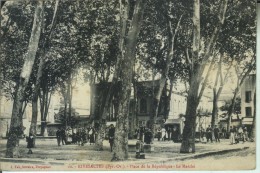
<point x="128" y="85"/>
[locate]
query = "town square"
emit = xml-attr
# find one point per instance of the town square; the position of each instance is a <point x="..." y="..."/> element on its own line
<point x="128" y="85"/>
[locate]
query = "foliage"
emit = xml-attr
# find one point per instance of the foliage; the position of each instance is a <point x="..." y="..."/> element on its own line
<point x="154" y="37"/>
<point x="65" y="119"/>
<point x="16" y="23"/>
<point x="237" y="107"/>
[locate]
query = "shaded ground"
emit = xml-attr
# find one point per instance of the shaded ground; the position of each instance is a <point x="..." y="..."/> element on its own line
<point x="239" y="160"/>
<point x="165" y="153"/>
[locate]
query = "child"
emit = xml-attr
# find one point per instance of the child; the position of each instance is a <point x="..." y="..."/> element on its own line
<point x="203" y="137"/>
<point x="29" y="140"/>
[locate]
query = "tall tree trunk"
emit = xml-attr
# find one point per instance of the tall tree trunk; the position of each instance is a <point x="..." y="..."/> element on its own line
<point x="92" y="101"/>
<point x="195" y="73"/>
<point x="35" y="97"/>
<point x="1" y="63"/>
<point x="240" y="81"/>
<point x="69" y="96"/>
<point x="134" y="109"/>
<point x="163" y="79"/>
<point x="168" y="101"/>
<point x="188" y="141"/>
<point x="1" y="87"/>
<point x="231" y="108"/>
<point x="36" y="90"/>
<point x="24" y="107"/>
<point x="16" y="120"/>
<point x="42" y="108"/>
<point x="2" y="3"/>
<point x="45" y="103"/>
<point x="33" y="126"/>
<point x="124" y="10"/>
<point x="105" y="106"/>
<point x="125" y="75"/>
<point x="214" y="110"/>
<point x="217" y="92"/>
<point x="65" y="109"/>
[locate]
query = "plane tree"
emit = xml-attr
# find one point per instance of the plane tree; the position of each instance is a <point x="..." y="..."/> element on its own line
<point x="197" y="57"/>
<point x="157" y="49"/>
<point x="235" y="44"/>
<point x="29" y="57"/>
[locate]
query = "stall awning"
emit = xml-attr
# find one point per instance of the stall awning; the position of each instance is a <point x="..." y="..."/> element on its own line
<point x="111" y="122"/>
<point x="173" y="121"/>
<point x="247" y="121"/>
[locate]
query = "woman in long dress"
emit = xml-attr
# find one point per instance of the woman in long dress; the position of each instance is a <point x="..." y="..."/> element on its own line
<point x="232" y="136"/>
<point x="163" y="134"/>
<point x="91" y="136"/>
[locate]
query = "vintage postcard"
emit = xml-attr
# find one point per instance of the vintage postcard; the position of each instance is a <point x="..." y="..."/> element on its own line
<point x="140" y="85"/>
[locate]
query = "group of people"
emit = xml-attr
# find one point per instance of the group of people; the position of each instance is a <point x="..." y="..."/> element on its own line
<point x="206" y="136"/>
<point x="85" y="135"/>
<point x="238" y="134"/>
<point x="61" y="136"/>
<point x="168" y="133"/>
<point x="162" y="134"/>
<point x="82" y="136"/>
<point x="144" y="134"/>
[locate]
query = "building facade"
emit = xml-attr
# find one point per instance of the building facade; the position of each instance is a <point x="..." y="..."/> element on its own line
<point x="81" y="104"/>
<point x="248" y="94"/>
<point x="141" y="106"/>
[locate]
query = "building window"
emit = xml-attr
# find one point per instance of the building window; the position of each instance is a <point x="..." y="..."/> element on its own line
<point x="248" y="111"/>
<point x="111" y="116"/>
<point x="248" y="96"/>
<point x="141" y="123"/>
<point x="143" y="106"/>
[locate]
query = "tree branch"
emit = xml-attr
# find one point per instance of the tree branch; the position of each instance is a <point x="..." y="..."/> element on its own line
<point x="206" y="79"/>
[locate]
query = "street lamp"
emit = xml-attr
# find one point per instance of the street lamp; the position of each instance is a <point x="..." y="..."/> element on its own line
<point x="153" y="60"/>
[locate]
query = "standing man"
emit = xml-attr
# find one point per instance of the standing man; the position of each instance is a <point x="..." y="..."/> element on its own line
<point x="29" y="140"/>
<point x="224" y="133"/>
<point x="175" y="134"/>
<point x="111" y="136"/>
<point x="63" y="137"/>
<point x="209" y="134"/>
<point x="232" y="136"/>
<point x="141" y="138"/>
<point x="216" y="133"/>
<point x="91" y="136"/>
<point x="245" y="134"/>
<point x="163" y="134"/>
<point x="159" y="133"/>
<point x="149" y="136"/>
<point x="168" y="131"/>
<point x="58" y="136"/>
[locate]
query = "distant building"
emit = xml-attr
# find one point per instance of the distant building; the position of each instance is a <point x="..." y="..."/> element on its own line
<point x="80" y="100"/>
<point x="204" y="112"/>
<point x="5" y="116"/>
<point x="140" y="113"/>
<point x="248" y="90"/>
